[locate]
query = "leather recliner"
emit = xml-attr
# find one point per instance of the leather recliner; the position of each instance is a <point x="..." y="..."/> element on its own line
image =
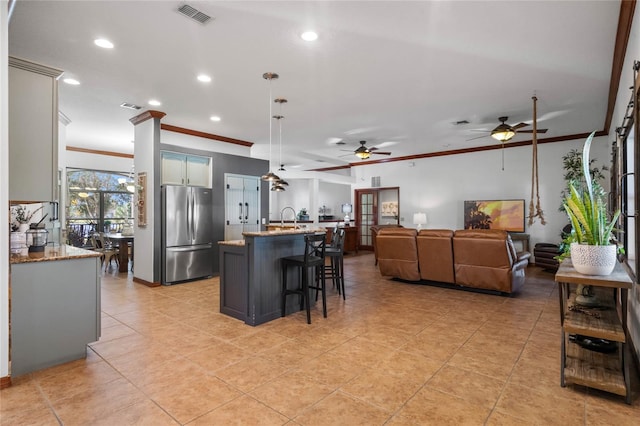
<point x="435" y="255"/>
<point x="487" y="259"/>
<point x="398" y="253"/>
<point x="374" y="234"/>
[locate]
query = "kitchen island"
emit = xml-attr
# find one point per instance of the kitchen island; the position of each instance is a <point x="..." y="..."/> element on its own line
<point x="251" y="277"/>
<point x="55" y="306"/>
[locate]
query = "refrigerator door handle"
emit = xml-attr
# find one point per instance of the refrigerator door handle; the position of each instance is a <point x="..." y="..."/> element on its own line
<point x="246" y="214"/>
<point x="188" y="217"/>
<point x="193" y="216"/>
<point x="240" y="217"/>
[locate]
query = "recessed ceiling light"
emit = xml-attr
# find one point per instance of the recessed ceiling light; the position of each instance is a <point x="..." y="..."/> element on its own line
<point x="204" y="78"/>
<point x="214" y="118"/>
<point x="154" y="102"/>
<point x="309" y="36"/>
<point x="71" y="81"/>
<point x="104" y="43"/>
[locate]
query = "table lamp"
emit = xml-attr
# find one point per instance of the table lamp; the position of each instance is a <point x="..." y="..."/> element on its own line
<point x="346" y="209"/>
<point x="419" y="219"/>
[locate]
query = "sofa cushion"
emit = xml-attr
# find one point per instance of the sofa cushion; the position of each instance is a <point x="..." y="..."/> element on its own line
<point x="435" y="255"/>
<point x="398" y="253"/>
<point x="484" y="259"/>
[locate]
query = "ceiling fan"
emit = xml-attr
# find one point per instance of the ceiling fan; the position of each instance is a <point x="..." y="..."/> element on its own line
<point x="363" y="152"/>
<point x="504" y="132"/>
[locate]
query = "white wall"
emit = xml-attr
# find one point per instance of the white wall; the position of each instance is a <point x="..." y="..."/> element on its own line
<point x="4" y="193"/>
<point x="195" y="142"/>
<point x="333" y="196"/>
<point x="438" y="186"/>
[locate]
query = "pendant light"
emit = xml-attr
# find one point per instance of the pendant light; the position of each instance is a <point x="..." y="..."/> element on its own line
<point x="281" y="182"/>
<point x="271" y="177"/>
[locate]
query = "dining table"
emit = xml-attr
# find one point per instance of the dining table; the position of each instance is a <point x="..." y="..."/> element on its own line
<point x="122" y="241"/>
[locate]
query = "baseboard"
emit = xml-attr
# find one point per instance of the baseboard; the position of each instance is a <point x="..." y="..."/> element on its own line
<point x="5" y="382"/>
<point x="144" y="282"/>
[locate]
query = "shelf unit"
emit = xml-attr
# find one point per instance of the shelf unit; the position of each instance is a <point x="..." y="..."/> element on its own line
<point x="605" y="371"/>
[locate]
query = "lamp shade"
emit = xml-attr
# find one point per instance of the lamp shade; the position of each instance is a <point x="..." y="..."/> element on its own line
<point x="347" y="208"/>
<point x="419" y="219"/>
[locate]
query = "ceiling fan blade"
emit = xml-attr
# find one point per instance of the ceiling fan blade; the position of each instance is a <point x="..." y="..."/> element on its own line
<point x="380" y="152"/>
<point x="477" y="137"/>
<point x="531" y="131"/>
<point x="519" y="125"/>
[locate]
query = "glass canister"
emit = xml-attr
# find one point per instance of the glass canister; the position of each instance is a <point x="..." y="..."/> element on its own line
<point x="37" y="239"/>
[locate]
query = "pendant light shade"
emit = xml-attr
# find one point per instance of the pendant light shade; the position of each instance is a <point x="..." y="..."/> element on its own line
<point x="270" y="177"/>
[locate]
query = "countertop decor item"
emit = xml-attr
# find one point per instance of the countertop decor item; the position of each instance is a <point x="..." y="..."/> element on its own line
<point x="592" y="247"/>
<point x="21" y="216"/>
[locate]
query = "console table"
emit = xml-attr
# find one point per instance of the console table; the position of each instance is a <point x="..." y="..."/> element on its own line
<point x="523" y="238"/>
<point x="605" y="371"/>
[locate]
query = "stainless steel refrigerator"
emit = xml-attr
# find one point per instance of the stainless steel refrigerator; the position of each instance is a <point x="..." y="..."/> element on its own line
<point x="187" y="233"/>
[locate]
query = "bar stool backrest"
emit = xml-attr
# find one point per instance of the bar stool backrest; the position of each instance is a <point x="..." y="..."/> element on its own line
<point x="315" y="245"/>
<point x="339" y="239"/>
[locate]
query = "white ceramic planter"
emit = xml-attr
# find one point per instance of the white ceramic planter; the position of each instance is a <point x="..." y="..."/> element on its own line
<point x="593" y="260"/>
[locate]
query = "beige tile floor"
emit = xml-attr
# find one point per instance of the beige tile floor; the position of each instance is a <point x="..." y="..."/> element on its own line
<point x="392" y="353"/>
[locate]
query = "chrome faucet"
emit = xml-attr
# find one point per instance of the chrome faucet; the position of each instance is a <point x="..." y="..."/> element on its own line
<point x="295" y="222"/>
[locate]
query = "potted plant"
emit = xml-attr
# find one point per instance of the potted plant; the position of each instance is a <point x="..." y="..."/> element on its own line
<point x="22" y="216"/>
<point x="592" y="248"/>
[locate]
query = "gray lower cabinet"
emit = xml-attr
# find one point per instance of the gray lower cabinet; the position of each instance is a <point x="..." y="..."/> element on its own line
<point x="251" y="276"/>
<point x="55" y="312"/>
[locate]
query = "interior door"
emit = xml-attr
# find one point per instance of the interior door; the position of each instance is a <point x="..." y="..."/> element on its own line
<point x="242" y="201"/>
<point x="366" y="214"/>
<point x="369" y="212"/>
<point x="251" y="204"/>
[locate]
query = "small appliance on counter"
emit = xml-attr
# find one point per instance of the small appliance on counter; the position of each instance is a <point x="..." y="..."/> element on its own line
<point x="37" y="236"/>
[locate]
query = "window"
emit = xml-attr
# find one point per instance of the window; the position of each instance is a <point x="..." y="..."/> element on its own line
<point x="98" y="201"/>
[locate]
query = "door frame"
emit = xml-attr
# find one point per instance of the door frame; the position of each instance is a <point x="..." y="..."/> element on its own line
<point x="358" y="209"/>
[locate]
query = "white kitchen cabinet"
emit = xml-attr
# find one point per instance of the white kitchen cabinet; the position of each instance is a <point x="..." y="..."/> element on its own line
<point x="33" y="131"/>
<point x="183" y="169"/>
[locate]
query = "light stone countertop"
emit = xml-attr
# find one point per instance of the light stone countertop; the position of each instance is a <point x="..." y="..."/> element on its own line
<point x="284" y="232"/>
<point x="52" y="253"/>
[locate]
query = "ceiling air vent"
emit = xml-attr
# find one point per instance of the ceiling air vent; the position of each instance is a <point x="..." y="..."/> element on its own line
<point x="130" y="106"/>
<point x="193" y="13"/>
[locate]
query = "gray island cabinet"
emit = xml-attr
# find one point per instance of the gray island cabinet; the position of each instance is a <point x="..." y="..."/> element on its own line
<point x="55" y="307"/>
<point x="251" y="277"/>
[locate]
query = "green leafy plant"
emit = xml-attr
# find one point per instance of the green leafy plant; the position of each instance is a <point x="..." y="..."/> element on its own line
<point x="586" y="207"/>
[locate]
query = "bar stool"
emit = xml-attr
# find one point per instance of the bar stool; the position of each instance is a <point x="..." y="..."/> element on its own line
<point x="335" y="269"/>
<point x="313" y="257"/>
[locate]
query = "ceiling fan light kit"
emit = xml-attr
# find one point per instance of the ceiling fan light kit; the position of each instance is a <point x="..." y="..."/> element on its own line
<point x="503" y="132"/>
<point x="363" y="152"/>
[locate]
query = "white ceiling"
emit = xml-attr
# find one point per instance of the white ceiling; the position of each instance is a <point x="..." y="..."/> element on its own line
<point x="397" y="74"/>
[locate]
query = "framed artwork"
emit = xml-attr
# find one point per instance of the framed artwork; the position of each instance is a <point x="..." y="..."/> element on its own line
<point x="507" y="215"/>
<point x="141" y="202"/>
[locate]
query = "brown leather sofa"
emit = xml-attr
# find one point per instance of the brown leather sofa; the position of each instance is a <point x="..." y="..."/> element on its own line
<point x="374" y="233"/>
<point x="484" y="259"/>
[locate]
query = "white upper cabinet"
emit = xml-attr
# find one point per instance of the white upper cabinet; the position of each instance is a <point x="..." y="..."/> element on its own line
<point x="198" y="171"/>
<point x="33" y="131"/>
<point x="182" y="169"/>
